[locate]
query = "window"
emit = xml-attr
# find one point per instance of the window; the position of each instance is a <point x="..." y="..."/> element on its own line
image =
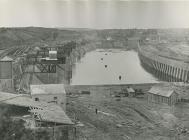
<point x="36" y="99"/>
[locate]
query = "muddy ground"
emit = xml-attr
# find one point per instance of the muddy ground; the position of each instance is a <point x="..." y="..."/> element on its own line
<point x="126" y="118"/>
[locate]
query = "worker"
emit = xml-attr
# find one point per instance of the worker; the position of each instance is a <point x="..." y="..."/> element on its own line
<point x="105" y="66"/>
<point x="101" y="58"/>
<point x="96" y="110"/>
<point x="120" y="77"/>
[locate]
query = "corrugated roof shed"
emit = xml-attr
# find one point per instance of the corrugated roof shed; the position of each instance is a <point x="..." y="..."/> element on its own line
<point x="6" y="58"/>
<point x="48" y="112"/>
<point x="130" y="90"/>
<point x="24" y="100"/>
<point x="162" y="91"/>
<point x="52" y="116"/>
<point x="47" y="89"/>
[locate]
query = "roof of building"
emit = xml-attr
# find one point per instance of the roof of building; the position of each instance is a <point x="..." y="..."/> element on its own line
<point x="130" y="89"/>
<point x="162" y="91"/>
<point x="47" y="89"/>
<point x="52" y="116"/>
<point x="6" y="58"/>
<point x="22" y="100"/>
<point x="49" y="59"/>
<point x="48" y="112"/>
<point x="54" y="52"/>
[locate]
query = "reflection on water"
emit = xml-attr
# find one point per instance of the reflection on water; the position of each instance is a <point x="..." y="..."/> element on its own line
<point x="111" y="66"/>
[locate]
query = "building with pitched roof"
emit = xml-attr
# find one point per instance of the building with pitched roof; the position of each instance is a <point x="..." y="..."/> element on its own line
<point x="50" y="93"/>
<point x="6" y="73"/>
<point x="161" y="94"/>
<point x="130" y="91"/>
<point x="45" y="112"/>
<point x="43" y="115"/>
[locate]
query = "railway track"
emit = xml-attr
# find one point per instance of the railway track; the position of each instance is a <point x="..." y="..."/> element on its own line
<point x="6" y="52"/>
<point x="15" y="51"/>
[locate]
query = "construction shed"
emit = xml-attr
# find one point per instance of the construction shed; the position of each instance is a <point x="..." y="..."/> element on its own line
<point x="43" y="115"/>
<point x="53" y="55"/>
<point x="47" y="112"/>
<point x="6" y="73"/>
<point x="50" y="93"/>
<point x="130" y="91"/>
<point x="160" y="94"/>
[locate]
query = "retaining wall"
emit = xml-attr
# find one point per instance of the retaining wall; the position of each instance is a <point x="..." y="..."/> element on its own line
<point x="175" y="68"/>
<point x="107" y="88"/>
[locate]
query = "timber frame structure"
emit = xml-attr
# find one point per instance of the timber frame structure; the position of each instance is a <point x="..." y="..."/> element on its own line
<point x="39" y="58"/>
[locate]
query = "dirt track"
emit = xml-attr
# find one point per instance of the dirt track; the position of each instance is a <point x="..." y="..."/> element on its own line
<point x="129" y="118"/>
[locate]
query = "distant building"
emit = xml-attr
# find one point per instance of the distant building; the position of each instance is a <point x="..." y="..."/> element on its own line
<point x="108" y="43"/>
<point x="131" y="92"/>
<point x="6" y="73"/>
<point x="53" y="55"/>
<point x="158" y="94"/>
<point x="133" y="42"/>
<point x="50" y="93"/>
<point x="118" y="44"/>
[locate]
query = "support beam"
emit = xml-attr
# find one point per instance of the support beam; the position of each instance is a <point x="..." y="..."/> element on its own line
<point x="176" y="73"/>
<point x="47" y="68"/>
<point x="166" y="69"/>
<point x="181" y="76"/>
<point x="185" y="76"/>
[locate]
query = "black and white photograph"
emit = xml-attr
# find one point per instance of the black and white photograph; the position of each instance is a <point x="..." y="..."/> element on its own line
<point x="94" y="70"/>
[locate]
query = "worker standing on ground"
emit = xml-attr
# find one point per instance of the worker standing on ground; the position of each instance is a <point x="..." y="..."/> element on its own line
<point x="120" y="77"/>
<point x="96" y="110"/>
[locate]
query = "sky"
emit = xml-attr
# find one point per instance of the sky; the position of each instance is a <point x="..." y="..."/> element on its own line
<point x="98" y="14"/>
